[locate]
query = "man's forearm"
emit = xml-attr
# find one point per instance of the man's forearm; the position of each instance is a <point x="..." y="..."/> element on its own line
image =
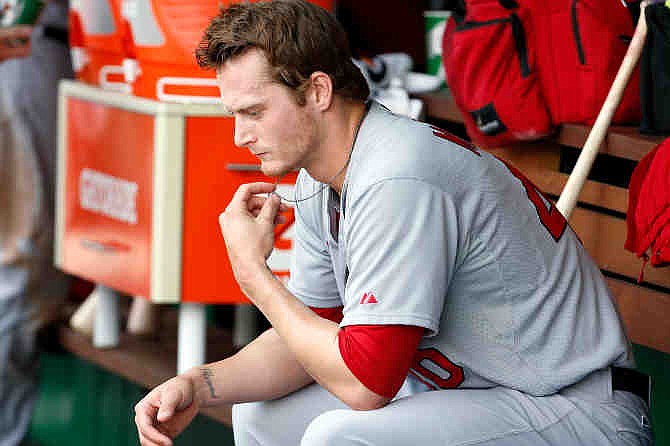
<point x="263" y="370"/>
<point x="312" y="340"/>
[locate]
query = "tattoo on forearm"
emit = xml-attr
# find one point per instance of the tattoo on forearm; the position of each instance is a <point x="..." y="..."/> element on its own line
<point x="207" y="376"/>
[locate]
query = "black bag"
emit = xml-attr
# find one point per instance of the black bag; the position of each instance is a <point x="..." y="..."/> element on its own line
<point x="655" y="72"/>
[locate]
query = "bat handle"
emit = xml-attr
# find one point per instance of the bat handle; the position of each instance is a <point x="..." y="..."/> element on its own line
<point x="568" y="199"/>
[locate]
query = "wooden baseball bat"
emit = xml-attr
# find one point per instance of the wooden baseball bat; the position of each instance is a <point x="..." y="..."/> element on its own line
<point x="568" y="199"/>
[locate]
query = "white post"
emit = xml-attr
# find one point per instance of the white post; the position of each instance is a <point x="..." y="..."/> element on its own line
<point x="192" y="336"/>
<point x="245" y="326"/>
<point x="106" y="326"/>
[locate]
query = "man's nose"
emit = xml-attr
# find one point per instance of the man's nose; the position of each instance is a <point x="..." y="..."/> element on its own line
<point x="243" y="134"/>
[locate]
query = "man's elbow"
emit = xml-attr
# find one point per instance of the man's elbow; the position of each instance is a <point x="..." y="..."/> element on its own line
<point x="365" y="399"/>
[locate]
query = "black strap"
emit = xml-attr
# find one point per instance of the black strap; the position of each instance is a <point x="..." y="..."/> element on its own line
<point x="521" y="45"/>
<point x="509" y="4"/>
<point x="456" y="6"/>
<point x="57" y="34"/>
<point x="630" y="380"/>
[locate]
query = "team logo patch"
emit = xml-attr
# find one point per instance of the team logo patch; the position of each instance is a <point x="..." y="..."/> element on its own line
<point x="368" y="298"/>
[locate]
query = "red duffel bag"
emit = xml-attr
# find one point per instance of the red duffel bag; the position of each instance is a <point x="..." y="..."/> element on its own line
<point x="489" y="60"/>
<point x="518" y="68"/>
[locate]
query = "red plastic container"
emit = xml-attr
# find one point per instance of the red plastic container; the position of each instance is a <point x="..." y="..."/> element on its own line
<point x="96" y="43"/>
<point x="165" y="34"/>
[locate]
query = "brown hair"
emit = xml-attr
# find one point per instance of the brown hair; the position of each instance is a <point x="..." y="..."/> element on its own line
<point x="298" y="38"/>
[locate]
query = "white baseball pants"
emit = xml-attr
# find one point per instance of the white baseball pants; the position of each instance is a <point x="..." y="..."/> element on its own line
<point x="588" y="413"/>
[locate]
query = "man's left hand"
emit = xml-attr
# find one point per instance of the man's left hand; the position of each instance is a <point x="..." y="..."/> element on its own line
<point x="247" y="226"/>
<point x="14" y="42"/>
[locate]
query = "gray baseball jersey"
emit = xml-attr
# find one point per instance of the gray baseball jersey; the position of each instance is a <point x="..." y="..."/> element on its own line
<point x="447" y="237"/>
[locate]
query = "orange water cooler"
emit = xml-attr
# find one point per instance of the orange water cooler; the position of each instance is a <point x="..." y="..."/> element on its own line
<point x="140" y="186"/>
<point x="96" y="43"/>
<point x="164" y="36"/>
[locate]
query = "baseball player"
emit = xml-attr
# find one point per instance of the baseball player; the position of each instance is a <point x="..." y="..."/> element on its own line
<point x="436" y="297"/>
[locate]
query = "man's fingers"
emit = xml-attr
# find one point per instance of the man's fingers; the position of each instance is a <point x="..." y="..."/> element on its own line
<point x="246" y="191"/>
<point x="144" y="419"/>
<point x="270" y="208"/>
<point x="16" y="32"/>
<point x="146" y="441"/>
<point x="14" y="42"/>
<point x="169" y="402"/>
<point x="256" y="202"/>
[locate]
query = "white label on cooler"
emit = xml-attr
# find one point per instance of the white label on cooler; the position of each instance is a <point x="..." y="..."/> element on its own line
<point x="107" y="195"/>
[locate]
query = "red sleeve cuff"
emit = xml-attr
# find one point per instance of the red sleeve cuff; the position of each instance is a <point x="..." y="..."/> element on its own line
<point x="333" y="314"/>
<point x="380" y="355"/>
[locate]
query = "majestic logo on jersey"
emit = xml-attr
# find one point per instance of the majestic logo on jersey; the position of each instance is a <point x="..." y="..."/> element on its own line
<point x="368" y="298"/>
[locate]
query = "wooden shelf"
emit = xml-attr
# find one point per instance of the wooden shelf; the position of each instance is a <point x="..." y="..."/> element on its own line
<point x="149" y="362"/>
<point x="621" y="141"/>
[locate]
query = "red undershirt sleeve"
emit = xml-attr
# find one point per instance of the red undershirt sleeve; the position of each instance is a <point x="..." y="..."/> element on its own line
<point x="378" y="355"/>
<point x="332" y="314"/>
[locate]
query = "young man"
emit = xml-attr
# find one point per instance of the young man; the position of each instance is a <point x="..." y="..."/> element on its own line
<point x="435" y="296"/>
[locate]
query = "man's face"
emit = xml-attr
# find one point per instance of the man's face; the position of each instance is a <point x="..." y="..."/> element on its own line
<point x="268" y="120"/>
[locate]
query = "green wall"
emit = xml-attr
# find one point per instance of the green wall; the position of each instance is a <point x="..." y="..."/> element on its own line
<point x="83" y="405"/>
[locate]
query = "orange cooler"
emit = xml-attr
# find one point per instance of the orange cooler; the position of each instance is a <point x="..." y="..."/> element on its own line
<point x="140" y="187"/>
<point x="165" y="34"/>
<point x="96" y="43"/>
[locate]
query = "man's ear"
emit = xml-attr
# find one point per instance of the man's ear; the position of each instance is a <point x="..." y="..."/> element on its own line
<point x="321" y="90"/>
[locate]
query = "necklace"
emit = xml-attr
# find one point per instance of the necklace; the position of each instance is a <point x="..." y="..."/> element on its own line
<point x="328" y="183"/>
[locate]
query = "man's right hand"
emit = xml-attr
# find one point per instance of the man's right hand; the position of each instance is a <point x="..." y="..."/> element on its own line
<point x="165" y="412"/>
<point x="14" y="42"/>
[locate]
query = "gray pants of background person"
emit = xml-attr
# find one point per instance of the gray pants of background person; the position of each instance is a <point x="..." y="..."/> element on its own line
<point x="30" y="286"/>
<point x="588" y="413"/>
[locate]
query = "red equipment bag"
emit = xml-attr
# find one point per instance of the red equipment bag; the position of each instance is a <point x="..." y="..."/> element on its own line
<point x="579" y="53"/>
<point x="517" y="68"/>
<point x="489" y="60"/>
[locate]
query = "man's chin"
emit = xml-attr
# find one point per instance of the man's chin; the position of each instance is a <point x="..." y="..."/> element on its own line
<point x="274" y="170"/>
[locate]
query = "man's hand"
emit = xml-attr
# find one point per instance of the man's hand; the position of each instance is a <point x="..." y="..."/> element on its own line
<point x="14" y="42"/>
<point x="247" y="226"/>
<point x="165" y="412"/>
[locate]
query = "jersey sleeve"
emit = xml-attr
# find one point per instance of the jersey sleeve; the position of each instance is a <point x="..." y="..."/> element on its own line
<point x="312" y="279"/>
<point x="402" y="238"/>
